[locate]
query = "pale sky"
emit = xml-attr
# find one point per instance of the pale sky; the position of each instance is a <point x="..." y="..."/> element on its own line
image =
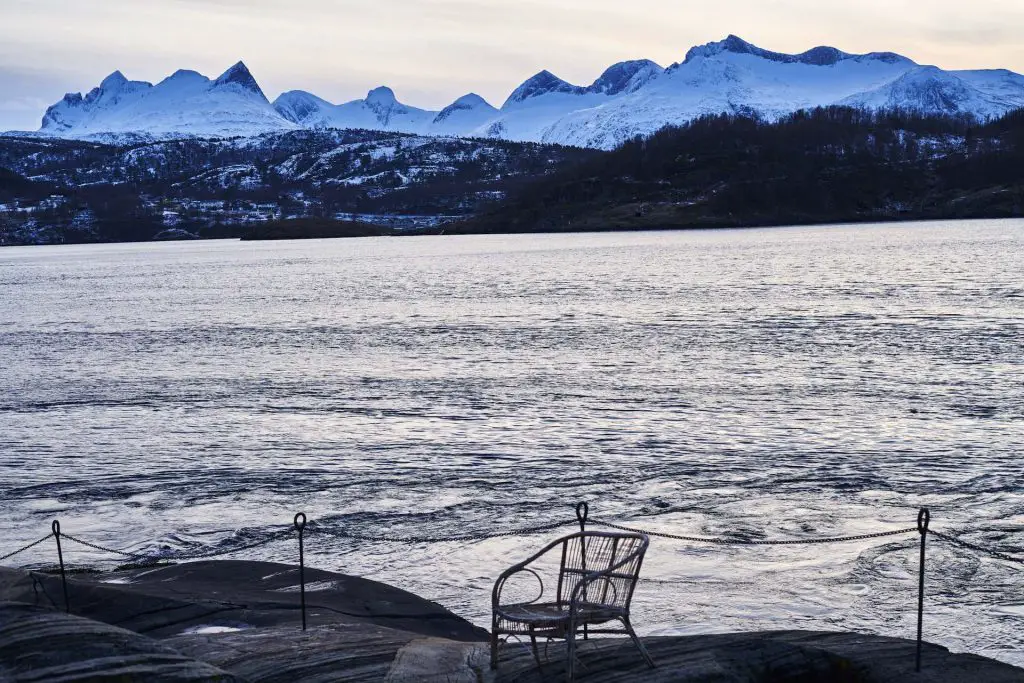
<point x="433" y="51"/>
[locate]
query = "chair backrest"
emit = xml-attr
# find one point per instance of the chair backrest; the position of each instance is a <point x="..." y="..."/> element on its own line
<point x="598" y="551"/>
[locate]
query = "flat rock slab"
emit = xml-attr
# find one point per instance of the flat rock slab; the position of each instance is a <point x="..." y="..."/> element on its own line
<point x="171" y="600"/>
<point x="758" y="657"/>
<point x="892" y="659"/>
<point x="338" y="652"/>
<point x="437" y="661"/>
<point x="43" y="645"/>
<point x="358" y="654"/>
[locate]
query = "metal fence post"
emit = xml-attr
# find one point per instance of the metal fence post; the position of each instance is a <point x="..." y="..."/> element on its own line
<point x="582" y="512"/>
<point x="923" y="517"/>
<point x="60" y="558"/>
<point x="300" y="525"/>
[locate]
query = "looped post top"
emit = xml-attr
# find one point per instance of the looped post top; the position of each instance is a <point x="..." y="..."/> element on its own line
<point x="923" y="517"/>
<point x="55" y="527"/>
<point x="299" y="521"/>
<point x="582" y="512"/>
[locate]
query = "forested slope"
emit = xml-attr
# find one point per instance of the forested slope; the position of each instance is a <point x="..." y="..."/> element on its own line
<point x="826" y="165"/>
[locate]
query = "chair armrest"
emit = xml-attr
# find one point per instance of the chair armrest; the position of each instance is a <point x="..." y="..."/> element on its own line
<point x="499" y="584"/>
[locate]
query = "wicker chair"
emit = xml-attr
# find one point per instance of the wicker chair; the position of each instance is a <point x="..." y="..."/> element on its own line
<point x="597" y="574"/>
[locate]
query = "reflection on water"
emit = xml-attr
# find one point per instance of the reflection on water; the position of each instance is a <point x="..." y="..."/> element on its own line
<point x="775" y="383"/>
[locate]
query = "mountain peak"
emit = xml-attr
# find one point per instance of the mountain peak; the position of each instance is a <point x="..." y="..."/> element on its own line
<point x="382" y="95"/>
<point x="819" y="56"/>
<point x="184" y="75"/>
<point x="822" y="55"/>
<point x="113" y="81"/>
<point x="467" y="103"/>
<point x="298" y="105"/>
<point x="731" y="43"/>
<point x="113" y="88"/>
<point x="625" y="76"/>
<point x="887" y="58"/>
<point x="470" y="100"/>
<point x="239" y="75"/>
<point x="541" y="83"/>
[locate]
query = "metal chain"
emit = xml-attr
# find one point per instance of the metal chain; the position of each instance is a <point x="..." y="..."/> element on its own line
<point x="744" y="541"/>
<point x="101" y="548"/>
<point x="185" y="555"/>
<point x="22" y="549"/>
<point x="238" y="549"/>
<point x="977" y="548"/>
<point x="441" y="539"/>
<point x="342" y="533"/>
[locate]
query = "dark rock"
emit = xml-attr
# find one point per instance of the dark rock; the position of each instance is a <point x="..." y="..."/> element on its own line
<point x="171" y="234"/>
<point x="242" y="617"/>
<point x="45" y="645"/>
<point x="338" y="652"/>
<point x="172" y="599"/>
<point x="766" y="657"/>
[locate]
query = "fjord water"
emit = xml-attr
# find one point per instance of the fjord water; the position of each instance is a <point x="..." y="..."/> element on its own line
<point x="782" y="383"/>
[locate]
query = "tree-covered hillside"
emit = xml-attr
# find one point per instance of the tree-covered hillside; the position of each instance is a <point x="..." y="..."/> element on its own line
<point x="826" y="165"/>
<point x="54" y="190"/>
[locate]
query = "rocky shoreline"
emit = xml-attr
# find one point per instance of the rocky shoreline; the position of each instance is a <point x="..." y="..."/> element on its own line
<point x="240" y="621"/>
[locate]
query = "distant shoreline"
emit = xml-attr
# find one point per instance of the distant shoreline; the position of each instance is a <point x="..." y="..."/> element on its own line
<point x="348" y="229"/>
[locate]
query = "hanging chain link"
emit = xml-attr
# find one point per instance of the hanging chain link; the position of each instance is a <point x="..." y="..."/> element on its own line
<point x="22" y="549"/>
<point x="747" y="541"/>
<point x="440" y="539"/>
<point x="977" y="548"/>
<point x="182" y="555"/>
<point x="101" y="548"/>
<point x="342" y="533"/>
<point x="201" y="555"/>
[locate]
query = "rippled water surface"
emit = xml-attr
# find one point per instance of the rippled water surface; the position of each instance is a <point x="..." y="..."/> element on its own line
<point x="777" y="383"/>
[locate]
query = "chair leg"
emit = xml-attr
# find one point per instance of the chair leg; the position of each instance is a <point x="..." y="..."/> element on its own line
<point x="533" y="645"/>
<point x="639" y="643"/>
<point x="494" y="648"/>
<point x="570" y="649"/>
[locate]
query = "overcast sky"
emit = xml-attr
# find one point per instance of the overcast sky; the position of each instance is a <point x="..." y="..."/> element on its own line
<point x="432" y="51"/>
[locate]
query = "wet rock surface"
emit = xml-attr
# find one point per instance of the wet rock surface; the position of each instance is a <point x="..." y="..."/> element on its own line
<point x="339" y="652"/>
<point x="239" y="621"/>
<point x="38" y="644"/>
<point x="758" y="657"/>
<point x="233" y="594"/>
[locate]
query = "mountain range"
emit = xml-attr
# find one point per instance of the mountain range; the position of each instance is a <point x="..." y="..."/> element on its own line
<point x="629" y="99"/>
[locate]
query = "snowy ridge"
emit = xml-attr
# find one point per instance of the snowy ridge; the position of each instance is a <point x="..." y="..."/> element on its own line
<point x="630" y="98"/>
<point x="934" y="90"/>
<point x="381" y="110"/>
<point x="183" y="104"/>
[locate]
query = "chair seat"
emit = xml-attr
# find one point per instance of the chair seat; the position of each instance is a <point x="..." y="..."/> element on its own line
<point x="549" y="614"/>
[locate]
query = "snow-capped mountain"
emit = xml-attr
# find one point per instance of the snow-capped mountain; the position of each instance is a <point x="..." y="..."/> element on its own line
<point x="730" y="76"/>
<point x="629" y="99"/>
<point x="935" y="90"/>
<point x="379" y="111"/>
<point x="468" y="113"/>
<point x="185" y="103"/>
